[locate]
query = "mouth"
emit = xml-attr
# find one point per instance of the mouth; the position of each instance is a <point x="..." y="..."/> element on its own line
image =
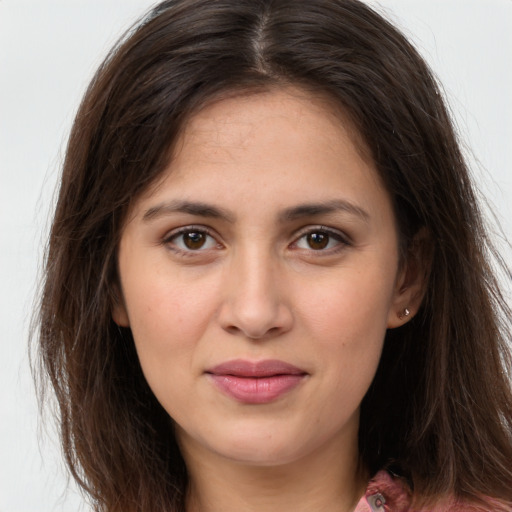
<point x="257" y="382"/>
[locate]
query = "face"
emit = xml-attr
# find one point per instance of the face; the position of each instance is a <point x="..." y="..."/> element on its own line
<point x="259" y="278"/>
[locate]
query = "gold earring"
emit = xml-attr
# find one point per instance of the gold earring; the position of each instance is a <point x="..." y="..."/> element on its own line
<point x="403" y="314"/>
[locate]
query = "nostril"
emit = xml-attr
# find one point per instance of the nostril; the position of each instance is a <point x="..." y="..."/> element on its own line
<point x="232" y="329"/>
<point x="269" y="333"/>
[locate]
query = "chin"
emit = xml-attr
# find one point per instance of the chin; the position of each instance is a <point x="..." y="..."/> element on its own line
<point x="248" y="443"/>
<point x="267" y="445"/>
<point x="261" y="454"/>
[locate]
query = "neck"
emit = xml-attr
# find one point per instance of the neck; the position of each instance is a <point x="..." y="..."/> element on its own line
<point x="321" y="481"/>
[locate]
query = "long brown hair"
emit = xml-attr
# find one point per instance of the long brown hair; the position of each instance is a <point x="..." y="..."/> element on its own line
<point x="439" y="411"/>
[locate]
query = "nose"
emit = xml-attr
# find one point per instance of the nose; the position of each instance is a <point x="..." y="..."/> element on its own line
<point x="255" y="302"/>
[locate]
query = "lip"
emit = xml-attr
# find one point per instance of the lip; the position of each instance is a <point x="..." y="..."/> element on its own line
<point x="256" y="382"/>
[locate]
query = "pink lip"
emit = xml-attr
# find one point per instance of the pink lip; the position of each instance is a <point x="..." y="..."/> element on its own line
<point x="256" y="382"/>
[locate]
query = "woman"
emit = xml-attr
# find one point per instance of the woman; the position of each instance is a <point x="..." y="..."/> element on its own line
<point x="268" y="282"/>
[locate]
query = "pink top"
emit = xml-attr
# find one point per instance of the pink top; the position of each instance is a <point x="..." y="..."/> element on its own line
<point x="387" y="494"/>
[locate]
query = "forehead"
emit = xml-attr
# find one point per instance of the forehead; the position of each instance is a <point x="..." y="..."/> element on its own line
<point x="279" y="146"/>
<point x="234" y="121"/>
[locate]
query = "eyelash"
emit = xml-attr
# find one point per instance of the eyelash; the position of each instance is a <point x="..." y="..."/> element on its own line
<point x="332" y="234"/>
<point x="169" y="239"/>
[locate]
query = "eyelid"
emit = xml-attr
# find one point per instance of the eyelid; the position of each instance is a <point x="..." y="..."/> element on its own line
<point x="176" y="232"/>
<point x="342" y="237"/>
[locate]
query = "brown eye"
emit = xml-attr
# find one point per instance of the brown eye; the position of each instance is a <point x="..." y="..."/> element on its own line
<point x="317" y="241"/>
<point x="194" y="240"/>
<point x="191" y="240"/>
<point x="321" y="240"/>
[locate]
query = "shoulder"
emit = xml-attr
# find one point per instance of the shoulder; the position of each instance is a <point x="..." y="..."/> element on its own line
<point x="386" y="493"/>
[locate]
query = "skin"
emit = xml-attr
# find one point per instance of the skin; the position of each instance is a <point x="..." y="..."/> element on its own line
<point x="257" y="283"/>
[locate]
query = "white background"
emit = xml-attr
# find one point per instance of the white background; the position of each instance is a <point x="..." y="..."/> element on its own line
<point x="48" y="52"/>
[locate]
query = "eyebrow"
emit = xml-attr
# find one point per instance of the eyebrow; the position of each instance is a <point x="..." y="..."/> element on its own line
<point x="206" y="210"/>
<point x="323" y="208"/>
<point x="191" y="207"/>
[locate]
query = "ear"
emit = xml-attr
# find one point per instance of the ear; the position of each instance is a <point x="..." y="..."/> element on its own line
<point x="412" y="280"/>
<point x="119" y="312"/>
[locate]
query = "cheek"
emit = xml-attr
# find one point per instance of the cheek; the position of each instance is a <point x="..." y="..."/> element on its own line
<point x="167" y="329"/>
<point x="168" y="317"/>
<point x="349" y="322"/>
<point x="350" y="302"/>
